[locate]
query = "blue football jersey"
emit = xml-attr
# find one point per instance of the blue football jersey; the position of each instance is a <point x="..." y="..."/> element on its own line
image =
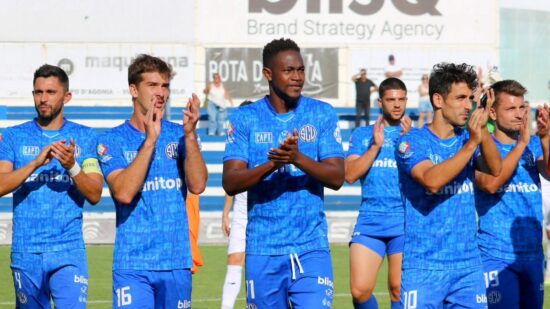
<point x="381" y="212"/>
<point x="152" y="232"/>
<point x="440" y="228"/>
<point x="285" y="209"/>
<point x="47" y="207"/>
<point x="510" y="221"/>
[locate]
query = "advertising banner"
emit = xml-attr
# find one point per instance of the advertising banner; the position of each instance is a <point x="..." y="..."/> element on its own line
<point x="241" y="71"/>
<point x="349" y="21"/>
<point x="96" y="71"/>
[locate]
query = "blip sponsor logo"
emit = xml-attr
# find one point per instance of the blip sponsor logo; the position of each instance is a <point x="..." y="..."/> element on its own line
<point x="372" y="7"/>
<point x="263" y="137"/>
<point x="325" y="281"/>
<point x="30" y="150"/>
<point x="481" y="298"/>
<point x="171" y="150"/>
<point x="184" y="304"/>
<point x="80" y="279"/>
<point x="159" y="183"/>
<point x="308" y="133"/>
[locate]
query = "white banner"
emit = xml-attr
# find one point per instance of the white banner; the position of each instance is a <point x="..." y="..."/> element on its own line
<point x="96" y="71"/>
<point x="87" y="21"/>
<point x="348" y="21"/>
<point x="415" y="61"/>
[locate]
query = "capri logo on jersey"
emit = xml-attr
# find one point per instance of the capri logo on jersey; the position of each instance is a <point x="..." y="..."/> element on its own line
<point x="263" y="137"/>
<point x="30" y="150"/>
<point x="171" y="150"/>
<point x="308" y="133"/>
<point x="404" y="147"/>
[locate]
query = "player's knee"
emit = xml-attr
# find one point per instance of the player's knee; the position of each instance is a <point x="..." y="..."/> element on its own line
<point x="361" y="293"/>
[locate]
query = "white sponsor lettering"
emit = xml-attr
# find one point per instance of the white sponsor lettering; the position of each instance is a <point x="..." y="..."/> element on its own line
<point x="519" y="187"/>
<point x="454" y="188"/>
<point x="51" y="176"/>
<point x="184" y="304"/>
<point x="80" y="279"/>
<point x="159" y="183"/>
<point x="325" y="281"/>
<point x="481" y="298"/>
<point x="385" y="163"/>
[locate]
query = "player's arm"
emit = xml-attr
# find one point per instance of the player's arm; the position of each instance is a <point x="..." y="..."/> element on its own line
<point x="329" y="171"/>
<point x="11" y="179"/>
<point x="434" y="176"/>
<point x="87" y="179"/>
<point x="490" y="183"/>
<point x="237" y="177"/>
<point x="126" y="183"/>
<point x="543" y="131"/>
<point x="357" y="166"/>
<point x="226" y="227"/>
<point x="196" y="173"/>
<point x="355" y="77"/>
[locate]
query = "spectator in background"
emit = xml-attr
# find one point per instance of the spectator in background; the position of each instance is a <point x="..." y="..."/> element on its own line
<point x="425" y="109"/>
<point x="363" y="88"/>
<point x="393" y="70"/>
<point x="218" y="97"/>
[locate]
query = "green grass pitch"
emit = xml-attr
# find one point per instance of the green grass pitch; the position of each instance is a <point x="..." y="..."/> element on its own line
<point x="207" y="284"/>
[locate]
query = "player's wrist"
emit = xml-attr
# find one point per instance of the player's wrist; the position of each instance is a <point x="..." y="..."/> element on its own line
<point x="75" y="170"/>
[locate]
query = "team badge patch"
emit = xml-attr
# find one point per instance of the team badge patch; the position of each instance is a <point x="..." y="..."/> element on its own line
<point x="230" y="131"/>
<point x="282" y="136"/>
<point x="22" y="298"/>
<point x="102" y="153"/>
<point x="404" y="147"/>
<point x="172" y="150"/>
<point x="338" y="135"/>
<point x="77" y="151"/>
<point x="308" y="133"/>
<point x="1" y="137"/>
<point x="130" y="156"/>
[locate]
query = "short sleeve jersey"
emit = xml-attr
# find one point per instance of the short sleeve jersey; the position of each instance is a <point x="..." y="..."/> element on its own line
<point x="381" y="212"/>
<point x="286" y="208"/>
<point x="47" y="207"/>
<point x="152" y="232"/>
<point x="363" y="90"/>
<point x="510" y="221"/>
<point x="440" y="228"/>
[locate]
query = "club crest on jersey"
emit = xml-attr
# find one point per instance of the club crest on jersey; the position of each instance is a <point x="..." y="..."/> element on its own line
<point x="1" y="137"/>
<point x="30" y="150"/>
<point x="172" y="150"/>
<point x="77" y="151"/>
<point x="230" y="131"/>
<point x="308" y="133"/>
<point x="263" y="137"/>
<point x="130" y="156"/>
<point x="338" y="135"/>
<point x="404" y="147"/>
<point x="22" y="297"/>
<point x="102" y="153"/>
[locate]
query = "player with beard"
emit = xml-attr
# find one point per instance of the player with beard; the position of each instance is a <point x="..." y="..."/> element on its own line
<point x="379" y="227"/>
<point x="510" y="205"/>
<point x="49" y="164"/>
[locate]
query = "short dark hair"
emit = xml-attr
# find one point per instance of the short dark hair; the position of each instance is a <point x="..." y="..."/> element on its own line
<point x="444" y="75"/>
<point x="274" y="47"/>
<point x="48" y="70"/>
<point x="391" y="83"/>
<point x="508" y="86"/>
<point x="146" y="64"/>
